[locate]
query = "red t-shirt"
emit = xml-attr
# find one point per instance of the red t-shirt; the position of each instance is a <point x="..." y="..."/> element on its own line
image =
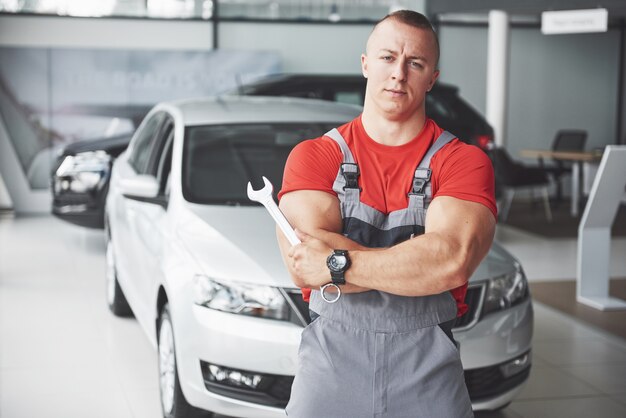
<point x="458" y="170"/>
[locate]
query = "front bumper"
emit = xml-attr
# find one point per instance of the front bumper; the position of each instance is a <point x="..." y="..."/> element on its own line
<point x="270" y="347"/>
<point x="497" y="340"/>
<point x="84" y="209"/>
<point x="263" y="346"/>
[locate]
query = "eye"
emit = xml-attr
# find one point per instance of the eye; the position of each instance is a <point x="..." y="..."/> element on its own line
<point x="416" y="64"/>
<point x="386" y="58"/>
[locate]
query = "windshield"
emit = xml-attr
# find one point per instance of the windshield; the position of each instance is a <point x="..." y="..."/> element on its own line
<point x="219" y="160"/>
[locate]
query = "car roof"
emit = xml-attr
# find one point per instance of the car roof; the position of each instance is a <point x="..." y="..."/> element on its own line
<point x="284" y="80"/>
<point x="246" y="109"/>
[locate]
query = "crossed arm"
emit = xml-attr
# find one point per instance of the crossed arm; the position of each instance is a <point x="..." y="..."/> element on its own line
<point x="458" y="234"/>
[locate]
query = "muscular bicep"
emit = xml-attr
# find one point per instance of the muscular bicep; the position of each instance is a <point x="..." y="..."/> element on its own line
<point x="468" y="226"/>
<point x="312" y="210"/>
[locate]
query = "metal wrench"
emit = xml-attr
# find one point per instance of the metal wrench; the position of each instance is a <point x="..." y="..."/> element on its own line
<point x="264" y="196"/>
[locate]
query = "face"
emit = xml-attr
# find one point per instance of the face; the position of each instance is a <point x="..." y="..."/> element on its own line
<point x="400" y="67"/>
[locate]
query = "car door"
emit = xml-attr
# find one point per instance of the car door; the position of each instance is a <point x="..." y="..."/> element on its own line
<point x="127" y="212"/>
<point x="150" y="228"/>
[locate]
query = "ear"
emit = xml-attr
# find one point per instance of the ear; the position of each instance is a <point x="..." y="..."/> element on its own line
<point x="433" y="79"/>
<point x="364" y="65"/>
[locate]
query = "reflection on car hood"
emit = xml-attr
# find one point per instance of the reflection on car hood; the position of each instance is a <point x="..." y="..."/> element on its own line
<point x="239" y="243"/>
<point x="234" y="242"/>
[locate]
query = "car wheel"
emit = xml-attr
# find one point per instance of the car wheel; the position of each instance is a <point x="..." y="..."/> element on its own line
<point x="115" y="296"/>
<point x="173" y="402"/>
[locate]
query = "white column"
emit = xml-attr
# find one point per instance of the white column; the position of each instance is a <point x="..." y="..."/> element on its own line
<point x="497" y="71"/>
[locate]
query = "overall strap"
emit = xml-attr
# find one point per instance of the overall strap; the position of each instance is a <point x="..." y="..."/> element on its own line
<point x="336" y="136"/>
<point x="349" y="189"/>
<point x="421" y="192"/>
<point x="442" y="140"/>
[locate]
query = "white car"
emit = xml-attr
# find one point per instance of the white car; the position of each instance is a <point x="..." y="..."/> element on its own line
<point x="198" y="265"/>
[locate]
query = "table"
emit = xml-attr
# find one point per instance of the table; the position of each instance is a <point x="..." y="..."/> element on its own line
<point x="577" y="158"/>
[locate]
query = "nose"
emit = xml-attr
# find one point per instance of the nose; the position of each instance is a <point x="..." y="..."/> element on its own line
<point x="399" y="70"/>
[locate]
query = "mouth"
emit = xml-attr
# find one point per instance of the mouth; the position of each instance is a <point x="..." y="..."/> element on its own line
<point x="395" y="93"/>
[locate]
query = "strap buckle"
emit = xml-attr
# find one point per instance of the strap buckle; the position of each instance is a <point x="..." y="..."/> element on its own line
<point x="420" y="180"/>
<point x="350" y="173"/>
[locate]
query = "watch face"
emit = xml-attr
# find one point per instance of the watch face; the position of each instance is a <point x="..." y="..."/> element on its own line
<point x="337" y="262"/>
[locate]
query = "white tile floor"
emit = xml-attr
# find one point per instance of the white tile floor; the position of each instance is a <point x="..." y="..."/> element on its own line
<point x="63" y="355"/>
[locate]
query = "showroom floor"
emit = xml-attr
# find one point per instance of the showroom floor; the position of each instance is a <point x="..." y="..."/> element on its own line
<point x="62" y="354"/>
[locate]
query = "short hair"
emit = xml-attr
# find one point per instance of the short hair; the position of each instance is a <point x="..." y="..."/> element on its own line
<point x="415" y="19"/>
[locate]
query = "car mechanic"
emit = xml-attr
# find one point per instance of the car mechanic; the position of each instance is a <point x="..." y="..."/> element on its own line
<point x="396" y="213"/>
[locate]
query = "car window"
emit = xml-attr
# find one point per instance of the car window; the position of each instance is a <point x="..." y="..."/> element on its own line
<point x="218" y="161"/>
<point x="304" y="94"/>
<point x="349" y="97"/>
<point x="165" y="165"/>
<point x="440" y="107"/>
<point x="141" y="149"/>
<point x="158" y="145"/>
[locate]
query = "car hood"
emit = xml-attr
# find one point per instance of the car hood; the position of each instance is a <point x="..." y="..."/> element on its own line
<point x="239" y="243"/>
<point x="234" y="243"/>
<point x="114" y="145"/>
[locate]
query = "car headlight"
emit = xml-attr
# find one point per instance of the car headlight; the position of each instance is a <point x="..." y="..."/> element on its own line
<point x="240" y="298"/>
<point x="83" y="171"/>
<point x="507" y="290"/>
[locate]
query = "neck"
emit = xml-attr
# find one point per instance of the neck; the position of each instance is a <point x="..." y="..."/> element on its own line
<point x="392" y="131"/>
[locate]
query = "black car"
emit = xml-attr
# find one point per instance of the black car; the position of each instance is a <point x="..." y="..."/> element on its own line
<point x="81" y="180"/>
<point x="443" y="103"/>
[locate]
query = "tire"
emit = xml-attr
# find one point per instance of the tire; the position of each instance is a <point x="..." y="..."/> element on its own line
<point x="115" y="296"/>
<point x="173" y="402"/>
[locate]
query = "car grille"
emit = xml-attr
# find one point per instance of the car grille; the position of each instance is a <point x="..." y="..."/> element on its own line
<point x="70" y="198"/>
<point x="473" y="298"/>
<point x="488" y="382"/>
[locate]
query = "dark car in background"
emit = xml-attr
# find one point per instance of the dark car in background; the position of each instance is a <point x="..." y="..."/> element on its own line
<point x="80" y="181"/>
<point x="443" y="103"/>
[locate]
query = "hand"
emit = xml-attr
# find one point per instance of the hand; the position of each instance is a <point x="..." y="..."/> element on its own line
<point x="308" y="261"/>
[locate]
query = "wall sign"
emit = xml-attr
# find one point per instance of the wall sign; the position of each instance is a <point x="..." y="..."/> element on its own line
<point x="574" y="21"/>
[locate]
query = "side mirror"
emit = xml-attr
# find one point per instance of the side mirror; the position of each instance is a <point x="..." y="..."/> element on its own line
<point x="141" y="185"/>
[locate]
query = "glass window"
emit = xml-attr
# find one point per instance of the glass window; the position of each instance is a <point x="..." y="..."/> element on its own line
<point x="289" y="10"/>
<point x="314" y="10"/>
<point x="440" y="107"/>
<point x="219" y="160"/>
<point x="167" y="130"/>
<point x="162" y="9"/>
<point x="141" y="145"/>
<point x="349" y="97"/>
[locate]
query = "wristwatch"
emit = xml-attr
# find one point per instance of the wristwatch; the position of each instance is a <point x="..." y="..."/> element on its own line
<point x="338" y="263"/>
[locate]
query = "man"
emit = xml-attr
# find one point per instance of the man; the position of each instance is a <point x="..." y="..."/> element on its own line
<point x="358" y="198"/>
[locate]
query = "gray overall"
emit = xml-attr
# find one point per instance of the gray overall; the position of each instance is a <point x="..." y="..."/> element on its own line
<point x="374" y="354"/>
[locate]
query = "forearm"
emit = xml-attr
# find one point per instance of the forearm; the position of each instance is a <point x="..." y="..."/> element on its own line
<point x="341" y="242"/>
<point x="458" y="236"/>
<point x="426" y="265"/>
<point x="332" y="240"/>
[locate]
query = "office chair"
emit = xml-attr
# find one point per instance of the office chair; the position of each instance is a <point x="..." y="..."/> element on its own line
<point x="565" y="140"/>
<point x="512" y="176"/>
